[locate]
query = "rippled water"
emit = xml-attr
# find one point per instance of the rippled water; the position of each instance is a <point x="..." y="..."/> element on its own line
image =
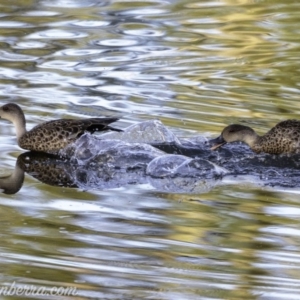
<point x="196" y="66"/>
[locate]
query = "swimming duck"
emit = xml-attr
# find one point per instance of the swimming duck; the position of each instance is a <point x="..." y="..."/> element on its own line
<point x="282" y="138"/>
<point x="54" y="135"/>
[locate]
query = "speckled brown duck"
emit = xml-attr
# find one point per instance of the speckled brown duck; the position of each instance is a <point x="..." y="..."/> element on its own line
<point x="282" y="138"/>
<point x="54" y="135"/>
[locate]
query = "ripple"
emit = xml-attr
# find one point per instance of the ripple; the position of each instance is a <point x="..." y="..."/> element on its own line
<point x="9" y="73"/>
<point x="4" y="55"/>
<point x="115" y="57"/>
<point x="85" y="82"/>
<point x="31" y="45"/>
<point x="91" y="67"/>
<point x="133" y="90"/>
<point x="90" y="23"/>
<point x="203" y="4"/>
<point x="73" y="4"/>
<point x="54" y="64"/>
<point x="13" y="24"/>
<point x="184" y="37"/>
<point x="78" y="52"/>
<point x="117" y="42"/>
<point x="284" y="211"/>
<point x="41" y="13"/>
<point x="142" y="12"/>
<point x="56" y="34"/>
<point x="145" y="30"/>
<point x="44" y="78"/>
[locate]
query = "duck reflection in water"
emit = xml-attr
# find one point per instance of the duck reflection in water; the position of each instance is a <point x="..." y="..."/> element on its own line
<point x="167" y="173"/>
<point x="47" y="168"/>
<point x="58" y="171"/>
<point x="109" y="172"/>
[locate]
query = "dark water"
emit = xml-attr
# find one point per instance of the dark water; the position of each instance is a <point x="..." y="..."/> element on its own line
<point x="196" y="66"/>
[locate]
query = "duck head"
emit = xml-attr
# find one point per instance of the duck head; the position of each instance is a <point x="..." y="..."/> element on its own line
<point x="234" y="133"/>
<point x="11" y="112"/>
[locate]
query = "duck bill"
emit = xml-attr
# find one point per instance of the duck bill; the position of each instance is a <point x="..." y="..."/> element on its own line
<point x="216" y="143"/>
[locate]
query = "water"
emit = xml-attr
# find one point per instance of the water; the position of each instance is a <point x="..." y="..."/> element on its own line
<point x="195" y="65"/>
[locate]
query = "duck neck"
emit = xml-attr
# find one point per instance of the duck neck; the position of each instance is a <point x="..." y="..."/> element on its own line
<point x="12" y="184"/>
<point x="20" y="126"/>
<point x="252" y="139"/>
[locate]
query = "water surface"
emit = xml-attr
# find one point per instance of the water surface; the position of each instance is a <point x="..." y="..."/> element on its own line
<point x="196" y="66"/>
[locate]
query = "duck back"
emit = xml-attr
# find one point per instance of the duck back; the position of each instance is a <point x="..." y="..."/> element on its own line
<point x="282" y="138"/>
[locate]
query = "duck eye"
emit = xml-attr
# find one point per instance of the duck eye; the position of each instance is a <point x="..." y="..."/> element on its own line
<point x="5" y="108"/>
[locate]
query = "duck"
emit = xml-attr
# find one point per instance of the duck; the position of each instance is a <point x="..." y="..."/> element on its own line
<point x="283" y="138"/>
<point x="51" y="136"/>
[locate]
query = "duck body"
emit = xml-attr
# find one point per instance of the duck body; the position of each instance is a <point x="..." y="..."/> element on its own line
<point x="54" y="135"/>
<point x="282" y="138"/>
